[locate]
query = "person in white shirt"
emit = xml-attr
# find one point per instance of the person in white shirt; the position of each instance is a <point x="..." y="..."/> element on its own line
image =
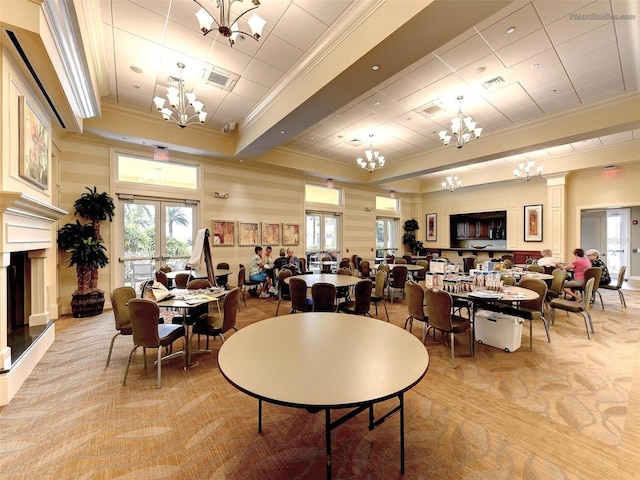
<point x="547" y="260"/>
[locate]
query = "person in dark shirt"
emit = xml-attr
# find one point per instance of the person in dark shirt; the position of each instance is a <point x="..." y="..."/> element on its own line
<point x="593" y="256"/>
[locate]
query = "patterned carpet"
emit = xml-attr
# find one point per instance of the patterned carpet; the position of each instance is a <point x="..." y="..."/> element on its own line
<point x="558" y="411"/>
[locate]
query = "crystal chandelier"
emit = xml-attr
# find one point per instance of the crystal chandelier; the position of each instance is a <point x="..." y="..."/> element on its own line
<point x="527" y="170"/>
<point x="180" y="101"/>
<point x="452" y="183"/>
<point x="225" y="27"/>
<point x="374" y="159"/>
<point x="461" y="128"/>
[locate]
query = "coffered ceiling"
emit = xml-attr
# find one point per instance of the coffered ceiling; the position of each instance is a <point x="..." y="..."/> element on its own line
<point x="554" y="81"/>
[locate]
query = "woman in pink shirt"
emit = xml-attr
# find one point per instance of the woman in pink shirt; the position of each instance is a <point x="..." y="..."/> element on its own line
<point x="578" y="267"/>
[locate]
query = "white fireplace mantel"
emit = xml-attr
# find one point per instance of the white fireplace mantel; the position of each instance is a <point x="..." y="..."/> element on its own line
<point x="27" y="226"/>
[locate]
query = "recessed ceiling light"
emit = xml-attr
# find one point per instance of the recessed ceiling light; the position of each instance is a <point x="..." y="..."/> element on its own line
<point x="553" y="90"/>
<point x="375" y="68"/>
<point x="137" y="87"/>
<point x="535" y="65"/>
<point x="376" y="103"/>
<point x="511" y="29"/>
<point x="481" y="69"/>
<point x="282" y="132"/>
<point x="135" y="69"/>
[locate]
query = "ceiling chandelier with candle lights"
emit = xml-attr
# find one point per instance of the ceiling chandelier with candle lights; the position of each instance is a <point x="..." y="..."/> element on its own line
<point x="224" y="24"/>
<point x="185" y="109"/>
<point x="462" y="128"/>
<point x="526" y="170"/>
<point x="373" y="158"/>
<point x="452" y="183"/>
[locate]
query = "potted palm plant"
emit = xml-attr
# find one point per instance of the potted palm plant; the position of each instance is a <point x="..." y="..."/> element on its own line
<point x="87" y="253"/>
<point x="409" y="239"/>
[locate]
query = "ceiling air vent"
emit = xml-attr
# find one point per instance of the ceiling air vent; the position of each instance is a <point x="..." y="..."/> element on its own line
<point x="220" y="78"/>
<point x="430" y="109"/>
<point x="494" y="83"/>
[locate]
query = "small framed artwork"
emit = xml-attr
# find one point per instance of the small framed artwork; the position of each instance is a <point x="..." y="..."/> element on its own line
<point x="33" y="146"/>
<point x="533" y="223"/>
<point x="290" y="234"/>
<point x="271" y="233"/>
<point x="432" y="227"/>
<point x="224" y="233"/>
<point x="248" y="234"/>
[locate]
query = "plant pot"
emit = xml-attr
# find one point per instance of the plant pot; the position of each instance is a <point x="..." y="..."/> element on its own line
<point x="87" y="304"/>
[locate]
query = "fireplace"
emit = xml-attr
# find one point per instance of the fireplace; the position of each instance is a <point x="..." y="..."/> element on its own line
<point x="28" y="286"/>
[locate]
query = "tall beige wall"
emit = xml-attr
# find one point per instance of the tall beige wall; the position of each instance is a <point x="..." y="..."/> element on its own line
<point x="254" y="196"/>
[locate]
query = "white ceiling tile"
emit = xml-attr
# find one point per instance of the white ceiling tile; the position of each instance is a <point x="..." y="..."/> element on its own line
<point x="468" y="51"/>
<point x="596" y="63"/>
<point x="127" y="16"/>
<point x="617" y="138"/>
<point x="573" y="25"/>
<point x="555" y="102"/>
<point x="250" y="89"/>
<point x="523" y="20"/>
<point x="401" y="88"/>
<point x="232" y="109"/>
<point x="550" y="11"/>
<point x="583" y="45"/>
<point x="587" y="144"/>
<point x="603" y="87"/>
<point x="262" y="73"/>
<point x="525" y="48"/>
<point x="381" y="104"/>
<point x="299" y="28"/>
<point x="278" y="53"/>
<point x="429" y="73"/>
<point x="326" y="12"/>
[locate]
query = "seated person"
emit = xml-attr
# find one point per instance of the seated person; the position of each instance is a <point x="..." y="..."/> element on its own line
<point x="258" y="274"/>
<point x="281" y="261"/>
<point x="593" y="256"/>
<point x="293" y="260"/>
<point x="547" y="260"/>
<point x="267" y="260"/>
<point x="578" y="266"/>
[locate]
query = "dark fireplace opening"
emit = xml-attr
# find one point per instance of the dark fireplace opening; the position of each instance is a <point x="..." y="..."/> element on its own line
<point x="16" y="292"/>
<point x="20" y="336"/>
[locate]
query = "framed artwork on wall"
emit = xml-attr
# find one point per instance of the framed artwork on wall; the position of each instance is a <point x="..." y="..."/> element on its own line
<point x="271" y="233"/>
<point x="533" y="223"/>
<point x="248" y="234"/>
<point x="290" y="234"/>
<point x="33" y="146"/>
<point x="224" y="233"/>
<point x="432" y="227"/>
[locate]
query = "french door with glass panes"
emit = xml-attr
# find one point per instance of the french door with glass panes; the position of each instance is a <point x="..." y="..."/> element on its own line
<point x="156" y="234"/>
<point x="322" y="235"/>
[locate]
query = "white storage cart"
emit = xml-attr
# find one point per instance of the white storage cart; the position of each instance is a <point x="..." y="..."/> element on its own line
<point x="498" y="330"/>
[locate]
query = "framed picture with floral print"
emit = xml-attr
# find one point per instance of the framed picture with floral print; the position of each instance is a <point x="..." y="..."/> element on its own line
<point x="248" y="232"/>
<point x="533" y="223"/>
<point x="33" y="146"/>
<point x="290" y="234"/>
<point x="271" y="233"/>
<point x="224" y="233"/>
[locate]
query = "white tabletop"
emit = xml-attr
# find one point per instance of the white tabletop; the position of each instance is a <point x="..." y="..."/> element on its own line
<point x="333" y="278"/>
<point x="509" y="294"/>
<point x="322" y="360"/>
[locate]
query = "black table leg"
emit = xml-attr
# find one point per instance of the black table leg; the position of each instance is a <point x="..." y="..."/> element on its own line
<point x="328" y="441"/>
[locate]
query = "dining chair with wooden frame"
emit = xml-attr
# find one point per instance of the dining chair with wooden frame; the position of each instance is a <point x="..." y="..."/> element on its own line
<point x="361" y="304"/>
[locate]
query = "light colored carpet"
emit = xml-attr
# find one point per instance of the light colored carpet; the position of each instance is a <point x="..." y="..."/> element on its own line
<point x="565" y="410"/>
